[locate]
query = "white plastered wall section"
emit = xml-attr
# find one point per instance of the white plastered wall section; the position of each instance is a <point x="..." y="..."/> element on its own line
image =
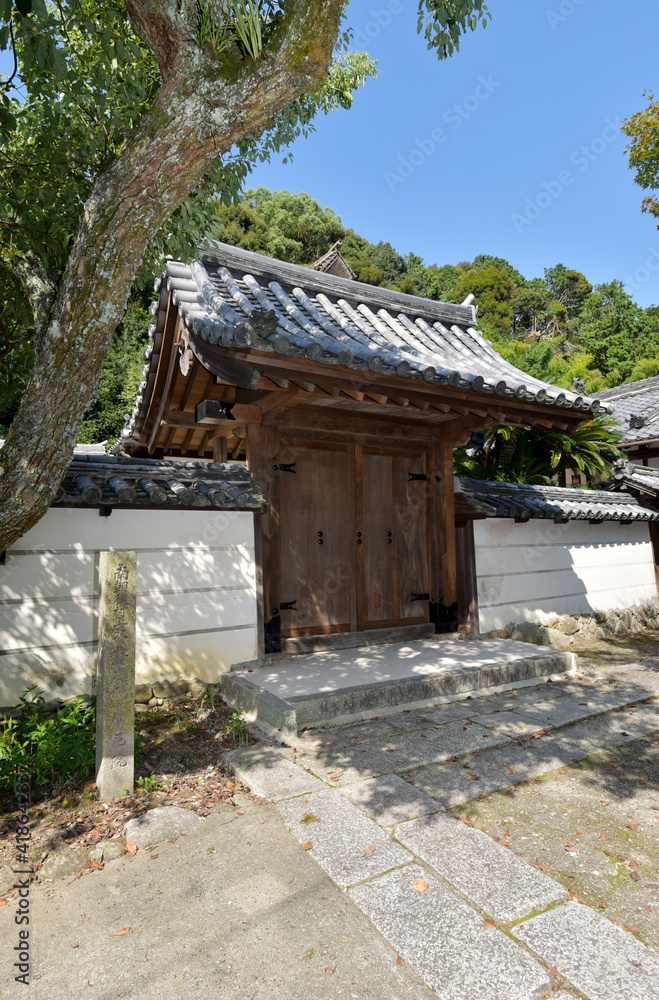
<point x="538" y="570"/>
<point x="196" y="597"/>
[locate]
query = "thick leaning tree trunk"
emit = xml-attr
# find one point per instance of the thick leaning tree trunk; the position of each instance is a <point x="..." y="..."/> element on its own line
<point x="197" y="116"/>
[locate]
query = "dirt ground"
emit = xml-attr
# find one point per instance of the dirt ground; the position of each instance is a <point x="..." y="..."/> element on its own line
<point x="179" y="762"/>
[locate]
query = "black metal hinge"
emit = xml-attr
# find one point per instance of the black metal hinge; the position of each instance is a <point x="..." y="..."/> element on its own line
<point x="288" y="605"/>
<point x="285" y="468"/>
<point x="419" y="597"/>
<point x="413" y="477"/>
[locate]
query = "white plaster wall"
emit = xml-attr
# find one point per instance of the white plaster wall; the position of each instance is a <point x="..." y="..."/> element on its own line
<point x="537" y="570"/>
<point x="196" y="597"/>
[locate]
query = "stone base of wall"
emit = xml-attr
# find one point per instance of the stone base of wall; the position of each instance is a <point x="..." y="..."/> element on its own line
<point x="568" y="631"/>
<point x="171" y="692"/>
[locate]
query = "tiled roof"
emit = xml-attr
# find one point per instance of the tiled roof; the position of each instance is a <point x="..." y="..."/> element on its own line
<point x="107" y="480"/>
<point x="637" y="409"/>
<point x="559" y="503"/>
<point x="235" y="298"/>
<point x="640" y="481"/>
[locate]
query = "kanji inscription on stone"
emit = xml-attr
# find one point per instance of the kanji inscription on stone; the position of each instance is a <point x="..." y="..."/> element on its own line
<point x="115" y="674"/>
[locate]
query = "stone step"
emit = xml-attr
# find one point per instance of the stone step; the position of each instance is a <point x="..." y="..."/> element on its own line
<point x="332" y="688"/>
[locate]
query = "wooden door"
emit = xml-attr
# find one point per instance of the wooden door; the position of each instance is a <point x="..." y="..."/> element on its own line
<point x="392" y="551"/>
<point x="317" y="539"/>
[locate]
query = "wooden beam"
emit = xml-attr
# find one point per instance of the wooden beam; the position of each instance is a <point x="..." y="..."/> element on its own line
<point x="241" y="373"/>
<point x="376" y="397"/>
<point x="219" y="450"/>
<point x="168" y="362"/>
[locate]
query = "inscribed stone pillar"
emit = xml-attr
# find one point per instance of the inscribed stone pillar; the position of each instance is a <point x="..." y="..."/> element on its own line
<point x="115" y="674"/>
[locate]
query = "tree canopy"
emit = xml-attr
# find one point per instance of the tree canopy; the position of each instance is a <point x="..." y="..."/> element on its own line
<point x="120" y="126"/>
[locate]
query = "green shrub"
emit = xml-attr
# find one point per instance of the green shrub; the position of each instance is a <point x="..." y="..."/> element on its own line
<point x="54" y="746"/>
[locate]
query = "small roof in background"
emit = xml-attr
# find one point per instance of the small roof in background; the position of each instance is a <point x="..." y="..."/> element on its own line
<point x="636" y="408"/>
<point x="636" y="479"/>
<point x="333" y="262"/>
<point x="558" y="503"/>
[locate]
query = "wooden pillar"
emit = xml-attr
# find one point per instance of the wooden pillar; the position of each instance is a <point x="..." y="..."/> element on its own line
<point x="466" y="576"/>
<point x="443" y="575"/>
<point x="263" y="460"/>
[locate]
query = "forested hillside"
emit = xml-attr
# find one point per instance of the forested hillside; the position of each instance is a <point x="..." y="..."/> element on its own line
<point x="555" y="327"/>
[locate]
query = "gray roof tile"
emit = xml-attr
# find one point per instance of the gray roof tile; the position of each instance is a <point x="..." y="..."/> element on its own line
<point x="236" y="298"/>
<point x="496" y="499"/>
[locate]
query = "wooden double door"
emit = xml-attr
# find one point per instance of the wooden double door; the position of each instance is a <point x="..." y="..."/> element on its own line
<point x="354" y="525"/>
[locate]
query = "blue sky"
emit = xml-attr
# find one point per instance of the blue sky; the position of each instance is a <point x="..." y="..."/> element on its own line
<point x="560" y="75"/>
<point x="512" y="147"/>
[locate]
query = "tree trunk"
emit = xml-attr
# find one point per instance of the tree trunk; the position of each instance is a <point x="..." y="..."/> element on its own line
<point x="196" y="117"/>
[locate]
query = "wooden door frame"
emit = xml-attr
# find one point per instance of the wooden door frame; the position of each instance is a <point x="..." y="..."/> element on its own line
<point x="263" y="458"/>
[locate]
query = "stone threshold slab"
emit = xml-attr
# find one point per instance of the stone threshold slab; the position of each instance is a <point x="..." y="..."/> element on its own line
<point x="331" y="688"/>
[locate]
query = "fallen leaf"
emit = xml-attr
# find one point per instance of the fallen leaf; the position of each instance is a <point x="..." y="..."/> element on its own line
<point x="491" y="924"/>
<point x="474" y="777"/>
<point x="329" y="971"/>
<point x="122" y="930"/>
<point x="309" y="818"/>
<point x="3" y="902"/>
<point x="553" y="970"/>
<point x="603" y="804"/>
<point x="154" y="856"/>
<point x="563" y="770"/>
<point x="399" y="960"/>
<point x="131" y="848"/>
<point x="510" y="771"/>
<point x="543" y="868"/>
<point x="581" y="833"/>
<point x="632" y="825"/>
<point x="567" y="843"/>
<point x="307" y="846"/>
<point x="420" y="885"/>
<point x="369" y="849"/>
<point x="308" y="954"/>
<point x="603" y="836"/>
<point x="573" y="896"/>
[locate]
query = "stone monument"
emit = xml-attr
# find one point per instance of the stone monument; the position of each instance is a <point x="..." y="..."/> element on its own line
<point x="115" y="674"/>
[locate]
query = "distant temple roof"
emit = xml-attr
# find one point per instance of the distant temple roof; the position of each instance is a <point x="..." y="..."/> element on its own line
<point x="636" y="479"/>
<point x="96" y="479"/>
<point x="637" y="409"/>
<point x="333" y="262"/>
<point x="236" y="299"/>
<point x="496" y="499"/>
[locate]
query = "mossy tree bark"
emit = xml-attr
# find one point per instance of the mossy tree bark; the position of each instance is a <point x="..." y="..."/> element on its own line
<point x="203" y="107"/>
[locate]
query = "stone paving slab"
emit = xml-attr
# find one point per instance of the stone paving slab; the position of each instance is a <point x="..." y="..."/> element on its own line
<point x="599" y="958"/>
<point x="510" y="724"/>
<point x="446" y="942"/>
<point x="390" y="799"/>
<point x="339" y="833"/>
<point x="338" y="766"/>
<point x="369" y="729"/>
<point x="494" y="878"/>
<point x="562" y="711"/>
<point x="433" y="746"/>
<point x="269" y="774"/>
